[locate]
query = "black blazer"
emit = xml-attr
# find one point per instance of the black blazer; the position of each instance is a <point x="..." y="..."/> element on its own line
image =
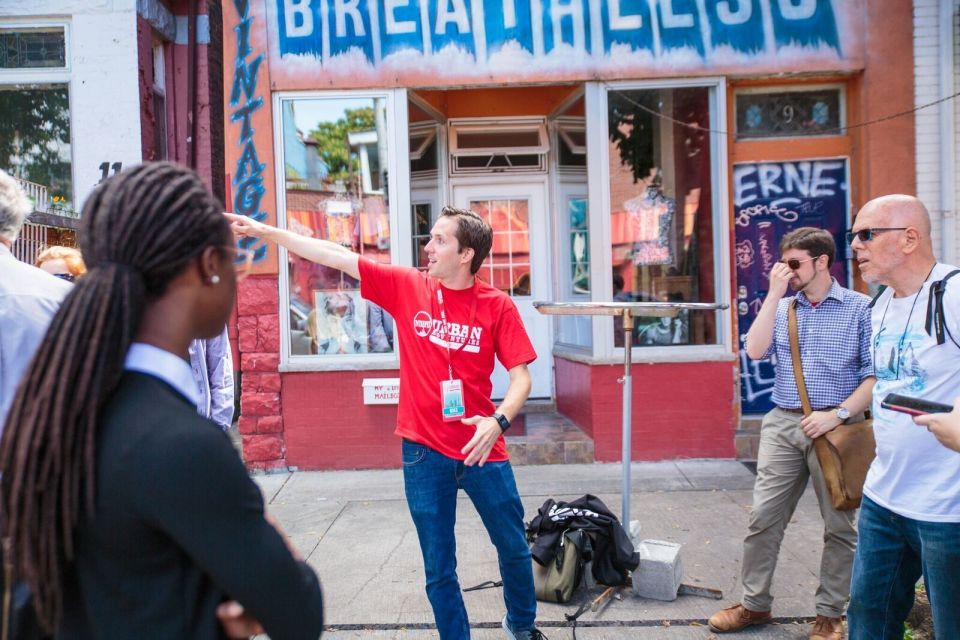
<point x="178" y="528"/>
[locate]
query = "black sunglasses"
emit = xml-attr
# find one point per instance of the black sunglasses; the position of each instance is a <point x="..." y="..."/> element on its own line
<point x="866" y="235"/>
<point x="69" y="277"/>
<point x="794" y="263"/>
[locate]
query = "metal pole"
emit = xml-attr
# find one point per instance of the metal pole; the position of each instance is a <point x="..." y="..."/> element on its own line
<point x="627" y="416"/>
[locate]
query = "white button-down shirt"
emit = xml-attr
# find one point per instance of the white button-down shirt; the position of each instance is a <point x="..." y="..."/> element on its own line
<point x="29" y="298"/>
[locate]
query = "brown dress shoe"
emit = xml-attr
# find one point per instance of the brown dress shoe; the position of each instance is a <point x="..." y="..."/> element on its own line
<point x="736" y="618"/>
<point x="826" y="628"/>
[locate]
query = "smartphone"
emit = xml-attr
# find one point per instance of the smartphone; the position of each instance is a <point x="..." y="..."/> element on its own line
<point x="913" y="406"/>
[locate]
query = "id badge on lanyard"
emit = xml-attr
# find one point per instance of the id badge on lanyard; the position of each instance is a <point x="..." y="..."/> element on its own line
<point x="452" y="404"/>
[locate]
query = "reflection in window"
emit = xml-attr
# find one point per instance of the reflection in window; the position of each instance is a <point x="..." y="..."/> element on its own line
<point x="35" y="139"/>
<point x="661" y="213"/>
<point x="421" y="233"/>
<point x="335" y="153"/>
<point x="508" y="266"/>
<point x="579" y="246"/>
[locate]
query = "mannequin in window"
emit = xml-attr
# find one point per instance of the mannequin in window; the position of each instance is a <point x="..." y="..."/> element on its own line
<point x="651" y="221"/>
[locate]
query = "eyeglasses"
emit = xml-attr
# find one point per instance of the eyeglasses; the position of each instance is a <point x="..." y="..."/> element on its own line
<point x="866" y="235"/>
<point x="69" y="277"/>
<point x="794" y="263"/>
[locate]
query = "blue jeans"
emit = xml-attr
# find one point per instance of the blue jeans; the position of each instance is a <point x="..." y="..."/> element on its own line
<point x="431" y="482"/>
<point x="892" y="554"/>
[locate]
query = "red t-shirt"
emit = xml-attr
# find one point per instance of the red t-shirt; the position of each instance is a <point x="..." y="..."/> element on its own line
<point x="411" y="298"/>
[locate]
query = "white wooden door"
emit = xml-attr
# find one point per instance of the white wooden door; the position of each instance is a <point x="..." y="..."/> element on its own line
<point x="518" y="264"/>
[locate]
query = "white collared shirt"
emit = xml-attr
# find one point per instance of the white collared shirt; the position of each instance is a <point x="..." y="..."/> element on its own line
<point x="164" y="365"/>
<point x="29" y="298"/>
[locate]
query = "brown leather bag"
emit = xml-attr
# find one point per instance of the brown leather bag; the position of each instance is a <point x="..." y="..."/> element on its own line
<point x="846" y="452"/>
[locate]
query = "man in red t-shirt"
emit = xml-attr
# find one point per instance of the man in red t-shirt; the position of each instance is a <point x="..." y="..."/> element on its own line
<point x="450" y="325"/>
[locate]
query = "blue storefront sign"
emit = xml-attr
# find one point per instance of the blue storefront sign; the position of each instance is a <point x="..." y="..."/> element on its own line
<point x="547" y="32"/>
<point x="770" y="199"/>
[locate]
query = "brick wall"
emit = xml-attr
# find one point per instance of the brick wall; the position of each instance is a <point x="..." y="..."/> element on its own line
<point x="258" y="335"/>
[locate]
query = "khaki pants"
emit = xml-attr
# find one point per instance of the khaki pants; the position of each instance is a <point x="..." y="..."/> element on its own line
<point x="785" y="460"/>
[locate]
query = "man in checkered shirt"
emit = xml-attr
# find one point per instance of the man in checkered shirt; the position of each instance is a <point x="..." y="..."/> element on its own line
<point x="834" y="331"/>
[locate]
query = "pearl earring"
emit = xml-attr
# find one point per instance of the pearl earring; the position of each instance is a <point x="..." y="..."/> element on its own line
<point x="214" y="279"/>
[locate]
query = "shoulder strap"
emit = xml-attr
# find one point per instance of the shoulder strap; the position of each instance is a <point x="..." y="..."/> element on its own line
<point x="936" y="324"/>
<point x="883" y="288"/>
<point x="795" y="356"/>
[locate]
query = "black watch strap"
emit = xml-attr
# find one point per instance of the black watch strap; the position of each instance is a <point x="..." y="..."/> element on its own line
<point x="502" y="420"/>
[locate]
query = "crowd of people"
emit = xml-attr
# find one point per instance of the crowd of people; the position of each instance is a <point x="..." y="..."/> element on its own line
<point x="119" y="485"/>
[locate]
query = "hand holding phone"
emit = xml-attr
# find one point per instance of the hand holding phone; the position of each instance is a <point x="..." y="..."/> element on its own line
<point x="913" y="406"/>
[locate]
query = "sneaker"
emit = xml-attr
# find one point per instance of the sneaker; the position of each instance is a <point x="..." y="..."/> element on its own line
<point x="530" y="634"/>
<point x="736" y="618"/>
<point x="827" y="628"/>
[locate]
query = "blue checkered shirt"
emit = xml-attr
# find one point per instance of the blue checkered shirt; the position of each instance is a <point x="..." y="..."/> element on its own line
<point x="834" y="348"/>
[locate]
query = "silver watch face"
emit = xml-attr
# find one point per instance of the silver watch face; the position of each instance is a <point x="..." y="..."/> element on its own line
<point x="843" y="413"/>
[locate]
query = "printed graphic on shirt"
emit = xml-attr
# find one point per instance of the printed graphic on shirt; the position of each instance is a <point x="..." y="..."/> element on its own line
<point x="894" y="359"/>
<point x="453" y="336"/>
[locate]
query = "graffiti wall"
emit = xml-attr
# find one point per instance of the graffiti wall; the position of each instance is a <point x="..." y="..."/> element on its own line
<point x="415" y="42"/>
<point x="249" y="138"/>
<point x="770" y="199"/>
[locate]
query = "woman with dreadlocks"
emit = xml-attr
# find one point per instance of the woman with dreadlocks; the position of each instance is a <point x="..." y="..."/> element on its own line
<point x="119" y="500"/>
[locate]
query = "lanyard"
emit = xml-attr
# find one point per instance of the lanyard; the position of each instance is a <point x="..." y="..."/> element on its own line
<point x="445" y="328"/>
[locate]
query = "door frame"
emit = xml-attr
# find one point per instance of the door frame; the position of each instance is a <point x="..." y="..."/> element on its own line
<point x="541" y="263"/>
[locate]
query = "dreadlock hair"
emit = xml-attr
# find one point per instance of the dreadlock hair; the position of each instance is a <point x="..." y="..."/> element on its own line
<point x="139" y="230"/>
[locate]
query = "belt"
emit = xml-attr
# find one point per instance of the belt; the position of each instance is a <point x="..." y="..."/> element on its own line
<point x="800" y="409"/>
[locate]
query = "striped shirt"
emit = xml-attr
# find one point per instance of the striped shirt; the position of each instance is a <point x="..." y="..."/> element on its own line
<point x="834" y="348"/>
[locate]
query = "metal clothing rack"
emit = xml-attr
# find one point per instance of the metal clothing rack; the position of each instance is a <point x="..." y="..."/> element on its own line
<point x="628" y="311"/>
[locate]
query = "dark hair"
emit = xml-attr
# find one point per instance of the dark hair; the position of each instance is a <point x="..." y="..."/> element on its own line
<point x="816" y="242"/>
<point x="139" y="230"/>
<point x="472" y="233"/>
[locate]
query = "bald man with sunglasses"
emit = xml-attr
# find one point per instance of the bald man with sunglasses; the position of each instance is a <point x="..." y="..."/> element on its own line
<point x="910" y="516"/>
<point x="834" y="335"/>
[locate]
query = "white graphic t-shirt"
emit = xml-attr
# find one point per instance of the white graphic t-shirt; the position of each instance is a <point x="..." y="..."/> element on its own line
<point x="913" y="474"/>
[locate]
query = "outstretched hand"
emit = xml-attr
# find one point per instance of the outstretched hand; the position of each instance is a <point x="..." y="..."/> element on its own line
<point x="247" y="227"/>
<point x="479" y="447"/>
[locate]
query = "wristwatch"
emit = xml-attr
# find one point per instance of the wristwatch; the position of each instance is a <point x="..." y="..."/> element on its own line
<point x="843" y="413"/>
<point x="502" y="420"/>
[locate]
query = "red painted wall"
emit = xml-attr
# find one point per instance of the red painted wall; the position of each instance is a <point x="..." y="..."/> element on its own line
<point x="327" y="426"/>
<point x="680" y="410"/>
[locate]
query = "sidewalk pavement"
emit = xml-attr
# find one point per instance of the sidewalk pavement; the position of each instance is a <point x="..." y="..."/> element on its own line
<point x="354" y="529"/>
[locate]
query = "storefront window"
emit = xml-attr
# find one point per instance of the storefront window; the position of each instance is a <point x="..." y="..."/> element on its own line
<point x="661" y="209"/>
<point x="570" y="142"/>
<point x="35" y="140"/>
<point x="335" y="166"/>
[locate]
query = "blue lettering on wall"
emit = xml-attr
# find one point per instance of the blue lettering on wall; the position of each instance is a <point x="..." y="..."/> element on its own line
<point x="506" y="20"/>
<point x="770" y="199"/>
<point x="248" y="174"/>
<point x="737" y="24"/>
<point x="349" y="25"/>
<point x="451" y="24"/>
<point x="404" y="25"/>
<point x="627" y="22"/>
<point x="299" y="25"/>
<point x="566" y="22"/>
<point x="679" y="25"/>
<point x="804" y="22"/>
<point x="400" y="26"/>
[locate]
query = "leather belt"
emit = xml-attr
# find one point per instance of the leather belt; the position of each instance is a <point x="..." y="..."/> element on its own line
<point x="788" y="410"/>
<point x="799" y="410"/>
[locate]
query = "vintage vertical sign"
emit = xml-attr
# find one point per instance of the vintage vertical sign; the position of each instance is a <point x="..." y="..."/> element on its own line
<point x="770" y="199"/>
<point x="248" y="145"/>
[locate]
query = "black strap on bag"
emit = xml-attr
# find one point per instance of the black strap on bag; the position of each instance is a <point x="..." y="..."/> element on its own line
<point x="936" y="324"/>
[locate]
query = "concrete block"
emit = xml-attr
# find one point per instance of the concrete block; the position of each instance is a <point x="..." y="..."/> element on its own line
<point x="634" y="530"/>
<point x="660" y="572"/>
